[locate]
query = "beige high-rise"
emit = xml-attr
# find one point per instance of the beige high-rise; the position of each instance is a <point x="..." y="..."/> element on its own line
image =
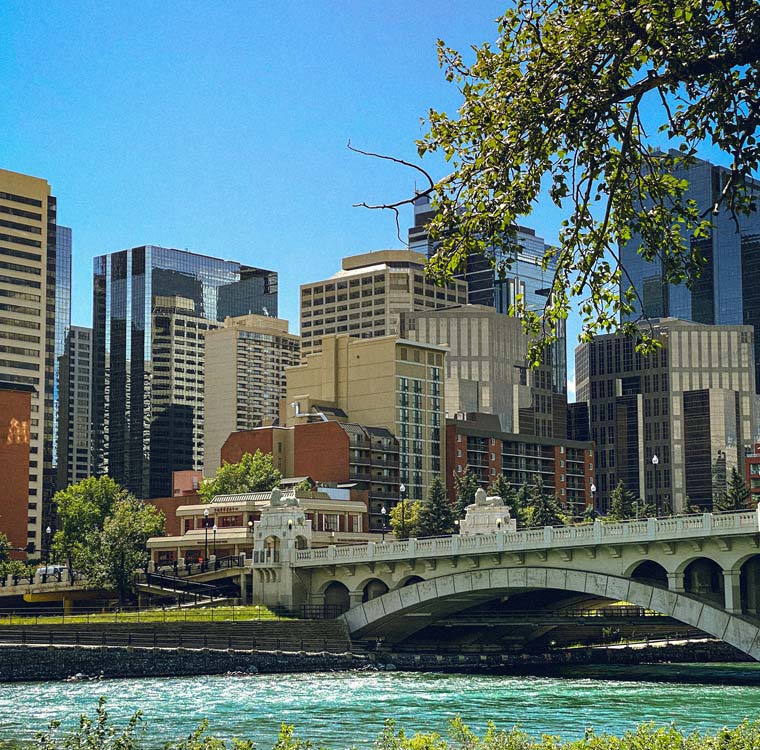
<point x="245" y="365"/>
<point x="27" y="322"/>
<point x="385" y="382"/>
<point x="366" y="297"/>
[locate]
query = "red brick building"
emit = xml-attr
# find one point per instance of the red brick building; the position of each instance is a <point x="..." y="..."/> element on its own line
<point x="330" y="452"/>
<point x="476" y="442"/>
<point x="752" y="473"/>
<point x="15" y="421"/>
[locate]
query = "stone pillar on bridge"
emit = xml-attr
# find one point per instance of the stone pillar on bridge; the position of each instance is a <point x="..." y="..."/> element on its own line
<point x="732" y="591"/>
<point x="282" y="530"/>
<point x="676" y="582"/>
<point x="486" y="516"/>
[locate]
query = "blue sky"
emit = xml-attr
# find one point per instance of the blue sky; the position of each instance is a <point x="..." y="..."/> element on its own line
<point x="222" y="127"/>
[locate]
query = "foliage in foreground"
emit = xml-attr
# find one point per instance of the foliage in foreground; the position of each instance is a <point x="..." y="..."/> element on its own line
<point x="100" y="734"/>
<point x="255" y="472"/>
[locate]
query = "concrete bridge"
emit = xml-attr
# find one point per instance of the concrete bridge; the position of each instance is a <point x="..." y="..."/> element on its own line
<point x="700" y="570"/>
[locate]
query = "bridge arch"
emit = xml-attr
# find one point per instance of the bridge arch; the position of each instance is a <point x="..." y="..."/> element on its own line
<point x="648" y="571"/>
<point x="409" y="580"/>
<point x="388" y="615"/>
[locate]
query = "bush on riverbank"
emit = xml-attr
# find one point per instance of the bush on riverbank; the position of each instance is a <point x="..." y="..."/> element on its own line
<point x="99" y="733"/>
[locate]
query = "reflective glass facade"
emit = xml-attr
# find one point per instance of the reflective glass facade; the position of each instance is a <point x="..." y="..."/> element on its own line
<point x="151" y="308"/>
<point x="494" y="288"/>
<point x="728" y="291"/>
<point x="62" y="322"/>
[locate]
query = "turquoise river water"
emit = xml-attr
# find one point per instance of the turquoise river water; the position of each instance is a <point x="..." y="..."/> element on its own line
<point x="342" y="710"/>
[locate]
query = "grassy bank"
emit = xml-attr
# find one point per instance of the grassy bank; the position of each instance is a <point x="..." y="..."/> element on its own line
<point x="205" y="614"/>
<point x="100" y="733"/>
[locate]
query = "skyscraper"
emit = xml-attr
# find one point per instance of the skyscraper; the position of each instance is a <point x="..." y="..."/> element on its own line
<point x="489" y="286"/>
<point x="152" y="307"/>
<point x="27" y="322"/>
<point x="74" y="433"/>
<point x="366" y="297"/>
<point x="728" y="290"/>
<point x="690" y="404"/>
<point x="62" y="325"/>
<point x="244" y="363"/>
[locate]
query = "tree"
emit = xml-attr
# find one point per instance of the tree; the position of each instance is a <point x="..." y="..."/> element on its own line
<point x="82" y="508"/>
<point x="623" y="504"/>
<point x="253" y="473"/>
<point x="544" y="509"/>
<point x="436" y="514"/>
<point x="521" y="505"/>
<point x="411" y="526"/>
<point x="737" y="495"/>
<point x="5" y="547"/>
<point x="565" y="101"/>
<point x="465" y="487"/>
<point x="115" y="552"/>
<point x="503" y="489"/>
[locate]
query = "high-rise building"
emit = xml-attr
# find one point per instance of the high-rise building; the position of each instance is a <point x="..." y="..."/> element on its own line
<point x="672" y="424"/>
<point x="728" y="289"/>
<point x="62" y="325"/>
<point x="487" y="368"/>
<point x="366" y="297"/>
<point x="245" y="363"/>
<point x="75" y="417"/>
<point x="27" y="322"/>
<point x="497" y="281"/>
<point x="385" y="382"/>
<point x="152" y="307"/>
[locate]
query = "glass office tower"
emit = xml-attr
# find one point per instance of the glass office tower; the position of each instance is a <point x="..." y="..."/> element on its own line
<point x="728" y="290"/>
<point x="488" y="286"/>
<point x="62" y="326"/>
<point x="152" y="306"/>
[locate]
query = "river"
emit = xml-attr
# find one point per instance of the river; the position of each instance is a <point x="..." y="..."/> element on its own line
<point x="341" y="710"/>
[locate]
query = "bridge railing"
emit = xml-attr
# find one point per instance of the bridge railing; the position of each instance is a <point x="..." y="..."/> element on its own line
<point x="635" y="530"/>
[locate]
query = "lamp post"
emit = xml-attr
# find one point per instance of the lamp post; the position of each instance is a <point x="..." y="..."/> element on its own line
<point x="214" y="530"/>
<point x="656" y="461"/>
<point x="402" y="490"/>
<point x="383" y="511"/>
<point x="593" y="493"/>
<point x="205" y="528"/>
<point x="48" y="533"/>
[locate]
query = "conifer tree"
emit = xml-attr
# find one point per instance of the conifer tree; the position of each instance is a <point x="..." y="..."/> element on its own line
<point x="465" y="486"/>
<point x="436" y="515"/>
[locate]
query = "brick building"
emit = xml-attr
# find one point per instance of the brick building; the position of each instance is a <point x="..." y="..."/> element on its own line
<point x="476" y="441"/>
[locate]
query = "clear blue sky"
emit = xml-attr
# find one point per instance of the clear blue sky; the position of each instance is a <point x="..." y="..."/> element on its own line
<point x="222" y="127"/>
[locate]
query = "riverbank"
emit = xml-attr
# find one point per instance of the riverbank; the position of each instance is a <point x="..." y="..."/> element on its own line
<point x="30" y="663"/>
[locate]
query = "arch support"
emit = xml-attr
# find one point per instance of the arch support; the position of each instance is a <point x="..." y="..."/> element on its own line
<point x="402" y="612"/>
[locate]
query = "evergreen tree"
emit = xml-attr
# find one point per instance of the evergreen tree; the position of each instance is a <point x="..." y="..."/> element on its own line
<point x="623" y="504"/>
<point x="436" y="515"/>
<point x="737" y="495"/>
<point x="465" y="487"/>
<point x="544" y="509"/>
<point x="503" y="489"/>
<point x="521" y="503"/>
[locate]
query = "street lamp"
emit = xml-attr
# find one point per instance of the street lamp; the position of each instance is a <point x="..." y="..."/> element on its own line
<point x="214" y="530"/>
<point x="205" y="528"/>
<point x="402" y="490"/>
<point x="593" y="492"/>
<point x="656" y="461"/>
<point x="383" y="511"/>
<point x="48" y="532"/>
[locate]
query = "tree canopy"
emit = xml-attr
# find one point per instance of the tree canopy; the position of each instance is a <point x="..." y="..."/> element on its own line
<point x="436" y="516"/>
<point x="465" y="487"/>
<point x="565" y="102"/>
<point x="253" y="473"/>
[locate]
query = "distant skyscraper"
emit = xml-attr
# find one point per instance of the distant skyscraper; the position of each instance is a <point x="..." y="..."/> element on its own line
<point x="27" y="323"/>
<point x="62" y="325"/>
<point x="152" y="307"/>
<point x="244" y="367"/>
<point x="367" y="296"/>
<point x="488" y="286"/>
<point x="75" y="418"/>
<point x="728" y="291"/>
